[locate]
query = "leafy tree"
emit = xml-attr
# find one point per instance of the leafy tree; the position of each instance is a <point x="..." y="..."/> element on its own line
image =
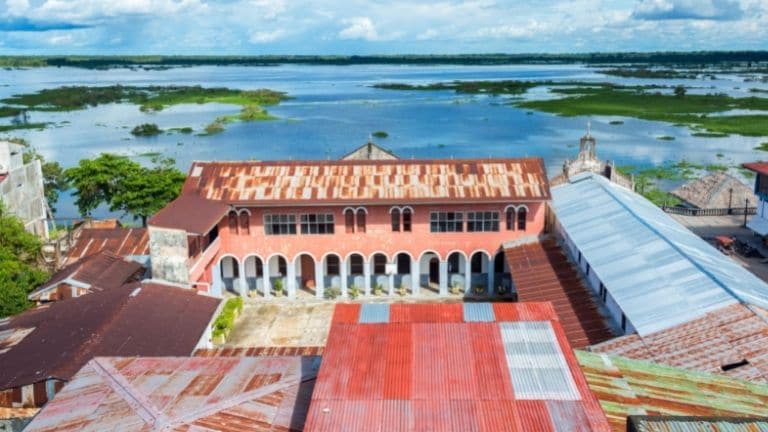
<point x="680" y="91"/>
<point x="125" y="185"/>
<point x="19" y="273"/>
<point x="53" y="176"/>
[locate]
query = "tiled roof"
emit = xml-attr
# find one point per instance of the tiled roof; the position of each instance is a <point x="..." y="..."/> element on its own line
<point x="97" y="272"/>
<point x="541" y="272"/>
<point x="634" y="387"/>
<point x="658" y="272"/>
<point x="450" y="367"/>
<point x="717" y="190"/>
<point x="183" y="394"/>
<point x="130" y="320"/>
<point x="758" y="167"/>
<point x="191" y="213"/>
<point x="370" y="151"/>
<point x="378" y="181"/>
<point x="118" y="241"/>
<point x="722" y="337"/>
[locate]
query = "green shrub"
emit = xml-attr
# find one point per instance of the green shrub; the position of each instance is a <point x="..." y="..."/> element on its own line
<point x="354" y="291"/>
<point x="146" y="129"/>
<point x="331" y="293"/>
<point x="225" y="322"/>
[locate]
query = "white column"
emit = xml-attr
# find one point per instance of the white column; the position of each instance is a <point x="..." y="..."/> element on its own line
<point x="443" y="265"/>
<point x="367" y="277"/>
<point x="267" y="281"/>
<point x="343" y="271"/>
<point x="216" y="282"/>
<point x="319" y="279"/>
<point x="415" y="277"/>
<point x="291" y="278"/>
<point x="491" y="277"/>
<point x="468" y="276"/>
<point x="391" y="288"/>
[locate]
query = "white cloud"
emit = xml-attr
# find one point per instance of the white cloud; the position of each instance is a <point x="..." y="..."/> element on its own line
<point x="688" y="9"/>
<point x="16" y="7"/>
<point x="268" y="9"/>
<point x="359" y="28"/>
<point x="261" y="37"/>
<point x="65" y="39"/>
<point x="512" y="31"/>
<point x="81" y="10"/>
<point x="428" y="34"/>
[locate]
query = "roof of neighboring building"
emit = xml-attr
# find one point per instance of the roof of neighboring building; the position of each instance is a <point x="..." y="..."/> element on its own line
<point x="717" y="190"/>
<point x="103" y="270"/>
<point x="370" y="151"/>
<point x="118" y="241"/>
<point x="723" y="337"/>
<point x="191" y="213"/>
<point x="450" y="367"/>
<point x="378" y="181"/>
<point x="658" y="272"/>
<point x="634" y="387"/>
<point x="542" y="272"/>
<point x="130" y="320"/>
<point x="695" y="424"/>
<point x="197" y="394"/>
<point x="758" y="167"/>
<point x="260" y="351"/>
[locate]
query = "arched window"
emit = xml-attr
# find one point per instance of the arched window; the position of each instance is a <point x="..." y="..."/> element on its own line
<point x="403" y="263"/>
<point x="356" y="265"/>
<point x="361" y="220"/>
<point x="282" y="266"/>
<point x="407" y="220"/>
<point x="379" y="264"/>
<point x="522" y="215"/>
<point x="245" y="222"/>
<point x="232" y="222"/>
<point x="395" y="212"/>
<point x="477" y="263"/>
<point x="332" y="265"/>
<point x="510" y="218"/>
<point x="349" y="220"/>
<point x="453" y="263"/>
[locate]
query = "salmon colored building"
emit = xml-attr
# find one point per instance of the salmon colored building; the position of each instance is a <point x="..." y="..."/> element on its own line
<point x="352" y="226"/>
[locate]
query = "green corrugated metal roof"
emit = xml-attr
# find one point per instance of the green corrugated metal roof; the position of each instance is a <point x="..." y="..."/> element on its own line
<point x="634" y="387"/>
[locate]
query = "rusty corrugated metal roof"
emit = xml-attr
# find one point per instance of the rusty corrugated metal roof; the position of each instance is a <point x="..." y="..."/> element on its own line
<point x="631" y="387"/>
<point x="118" y="241"/>
<point x="379" y="181"/>
<point x="133" y="319"/>
<point x="190" y="213"/>
<point x="542" y="272"/>
<point x="259" y="351"/>
<point x="758" y="167"/>
<point x="720" y="338"/>
<point x="190" y="394"/>
<point x="695" y="424"/>
<point x="445" y="367"/>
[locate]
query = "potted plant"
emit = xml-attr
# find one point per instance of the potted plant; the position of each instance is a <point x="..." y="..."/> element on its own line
<point x="278" y="287"/>
<point x="403" y="290"/>
<point x="353" y="291"/>
<point x="502" y="289"/>
<point x="478" y="289"/>
<point x="456" y="288"/>
<point x="331" y="293"/>
<point x="378" y="289"/>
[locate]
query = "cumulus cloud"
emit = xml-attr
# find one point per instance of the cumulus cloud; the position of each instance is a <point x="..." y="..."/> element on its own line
<point x="73" y="10"/>
<point x="719" y="10"/>
<point x="268" y="9"/>
<point x="16" y="7"/>
<point x="359" y="28"/>
<point x="511" y="31"/>
<point x="262" y="37"/>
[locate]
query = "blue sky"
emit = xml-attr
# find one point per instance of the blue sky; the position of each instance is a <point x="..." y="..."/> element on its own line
<point x="377" y="27"/>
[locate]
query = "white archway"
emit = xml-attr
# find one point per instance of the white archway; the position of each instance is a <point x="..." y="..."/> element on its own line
<point x="253" y="269"/>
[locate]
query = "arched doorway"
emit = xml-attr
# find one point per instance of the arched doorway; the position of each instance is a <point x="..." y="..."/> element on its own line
<point x="379" y="278"/>
<point x="502" y="276"/>
<point x="429" y="272"/>
<point x="355" y="272"/>
<point x="230" y="274"/>
<point x="305" y="274"/>
<point x="332" y="267"/>
<point x="480" y="265"/>
<point x="403" y="276"/>
<point x="457" y="269"/>
<point x="253" y="267"/>
<point x="278" y="271"/>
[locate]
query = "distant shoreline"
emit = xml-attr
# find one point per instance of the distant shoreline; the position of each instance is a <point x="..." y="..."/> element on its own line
<point x="697" y="58"/>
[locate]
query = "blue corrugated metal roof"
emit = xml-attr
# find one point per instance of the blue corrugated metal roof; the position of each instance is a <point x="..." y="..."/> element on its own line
<point x="371" y="313"/>
<point x="478" y="312"/>
<point x="660" y="273"/>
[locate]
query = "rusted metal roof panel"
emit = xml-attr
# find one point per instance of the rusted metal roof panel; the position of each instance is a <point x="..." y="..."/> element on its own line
<point x="542" y="273"/>
<point x="259" y="351"/>
<point x="191" y="213"/>
<point x="433" y="367"/>
<point x="726" y="336"/>
<point x="758" y="167"/>
<point x="695" y="424"/>
<point x="400" y="181"/>
<point x="122" y="242"/>
<point x="635" y="387"/>
<point x="190" y="393"/>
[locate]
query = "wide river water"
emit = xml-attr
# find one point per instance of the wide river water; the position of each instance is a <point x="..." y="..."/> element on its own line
<point x="333" y="109"/>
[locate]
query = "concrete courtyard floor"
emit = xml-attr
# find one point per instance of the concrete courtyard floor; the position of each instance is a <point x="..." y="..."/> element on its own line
<point x="296" y="323"/>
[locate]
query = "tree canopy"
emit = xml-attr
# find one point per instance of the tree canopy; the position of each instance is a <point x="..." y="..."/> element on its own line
<point x="19" y="274"/>
<point x="53" y="176"/>
<point x="125" y="185"/>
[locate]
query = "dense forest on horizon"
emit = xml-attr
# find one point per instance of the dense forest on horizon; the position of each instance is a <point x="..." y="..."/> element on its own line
<point x="691" y="59"/>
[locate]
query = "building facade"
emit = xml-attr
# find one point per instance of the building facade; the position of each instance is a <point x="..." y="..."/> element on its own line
<point x="358" y="227"/>
<point x="21" y="188"/>
<point x="759" y="222"/>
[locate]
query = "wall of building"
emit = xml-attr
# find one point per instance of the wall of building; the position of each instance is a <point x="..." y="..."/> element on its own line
<point x="23" y="195"/>
<point x="169" y="253"/>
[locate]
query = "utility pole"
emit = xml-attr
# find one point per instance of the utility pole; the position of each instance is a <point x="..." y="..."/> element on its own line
<point x="746" y="207"/>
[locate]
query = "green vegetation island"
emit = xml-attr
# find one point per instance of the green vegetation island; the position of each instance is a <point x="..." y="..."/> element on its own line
<point x="161" y="61"/>
<point x="149" y="98"/>
<point x="676" y="106"/>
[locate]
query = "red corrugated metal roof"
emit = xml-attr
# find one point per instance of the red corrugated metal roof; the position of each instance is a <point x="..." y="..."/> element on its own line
<point x="542" y="273"/>
<point x="758" y="167"/>
<point x="212" y="394"/>
<point x="260" y="351"/>
<point x="118" y="241"/>
<point x="190" y="213"/>
<point x="437" y="367"/>
<point x="359" y="181"/>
